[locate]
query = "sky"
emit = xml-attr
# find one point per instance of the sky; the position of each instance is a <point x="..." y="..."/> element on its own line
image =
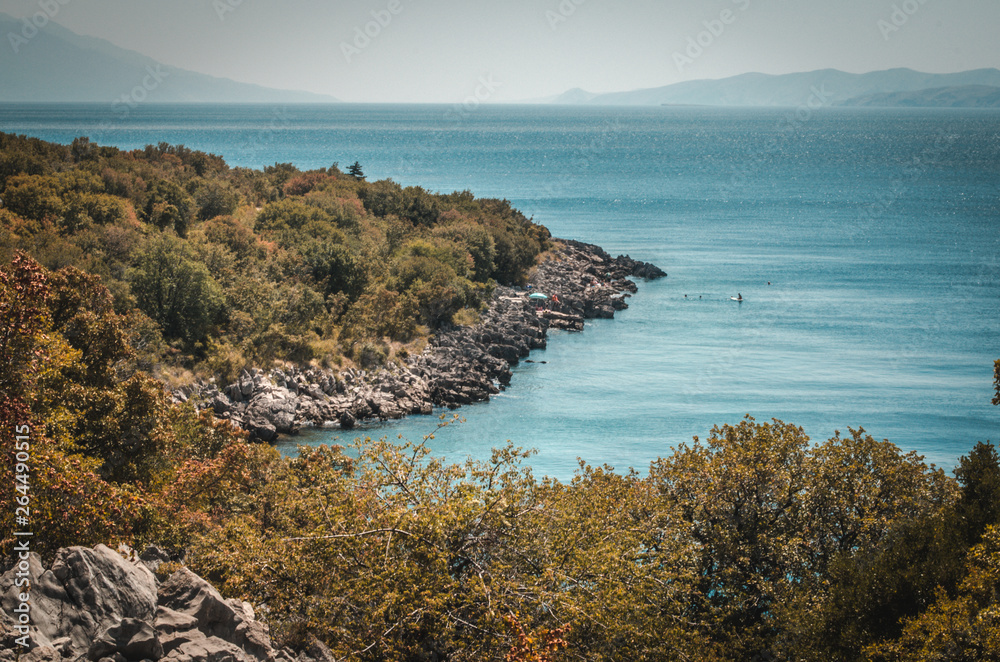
<point x="515" y="50"/>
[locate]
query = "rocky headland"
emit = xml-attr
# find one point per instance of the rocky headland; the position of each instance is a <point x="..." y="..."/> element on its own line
<point x="460" y="365"/>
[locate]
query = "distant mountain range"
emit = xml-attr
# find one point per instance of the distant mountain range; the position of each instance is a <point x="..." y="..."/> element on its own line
<point x="57" y="65"/>
<point x="894" y="87"/>
<point x="966" y="96"/>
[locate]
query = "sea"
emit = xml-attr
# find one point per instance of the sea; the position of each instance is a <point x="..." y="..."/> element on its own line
<point x="865" y="244"/>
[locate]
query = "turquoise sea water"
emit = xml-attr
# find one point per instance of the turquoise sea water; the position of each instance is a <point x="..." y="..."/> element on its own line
<point x="878" y="230"/>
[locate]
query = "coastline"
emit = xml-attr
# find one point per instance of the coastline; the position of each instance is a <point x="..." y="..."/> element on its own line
<point x="461" y="365"/>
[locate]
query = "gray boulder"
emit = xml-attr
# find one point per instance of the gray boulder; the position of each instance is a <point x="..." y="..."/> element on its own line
<point x="261" y="429"/>
<point x="94" y="605"/>
<point x="277" y="408"/>
<point x="135" y="640"/>
<point x="246" y="384"/>
<point x="187" y="594"/>
<point x="81" y="595"/>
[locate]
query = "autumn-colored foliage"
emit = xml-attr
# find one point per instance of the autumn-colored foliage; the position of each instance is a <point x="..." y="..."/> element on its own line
<point x="543" y="646"/>
<point x="108" y="457"/>
<point x="754" y="544"/>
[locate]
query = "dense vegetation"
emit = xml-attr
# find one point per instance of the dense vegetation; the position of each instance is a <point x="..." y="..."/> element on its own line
<point x="220" y="268"/>
<point x="754" y="544"/>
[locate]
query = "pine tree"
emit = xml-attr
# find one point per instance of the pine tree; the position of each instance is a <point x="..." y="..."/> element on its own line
<point x="355" y="171"/>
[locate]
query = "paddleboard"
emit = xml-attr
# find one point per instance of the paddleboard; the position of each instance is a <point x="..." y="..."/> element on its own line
<point x="735" y="299"/>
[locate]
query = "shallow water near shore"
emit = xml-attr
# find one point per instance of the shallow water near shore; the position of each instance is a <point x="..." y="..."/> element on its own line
<point x="879" y="232"/>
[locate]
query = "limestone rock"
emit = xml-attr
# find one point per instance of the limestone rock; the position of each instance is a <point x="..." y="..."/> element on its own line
<point x="187" y="594"/>
<point x="83" y="593"/>
<point x="134" y="639"/>
<point x="94" y="605"/>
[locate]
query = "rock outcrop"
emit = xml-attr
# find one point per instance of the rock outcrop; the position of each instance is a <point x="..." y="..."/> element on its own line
<point x="95" y="605"/>
<point x="460" y="365"/>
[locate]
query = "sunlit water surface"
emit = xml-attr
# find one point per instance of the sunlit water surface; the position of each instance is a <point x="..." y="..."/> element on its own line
<point x="878" y="231"/>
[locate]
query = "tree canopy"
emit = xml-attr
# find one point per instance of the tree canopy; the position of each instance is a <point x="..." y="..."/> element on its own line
<point x="206" y="252"/>
<point x="756" y="543"/>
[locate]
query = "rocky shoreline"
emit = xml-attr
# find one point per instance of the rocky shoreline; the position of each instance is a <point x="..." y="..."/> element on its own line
<point x="459" y="366"/>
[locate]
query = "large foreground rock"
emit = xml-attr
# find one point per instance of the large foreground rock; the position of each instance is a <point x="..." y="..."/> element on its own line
<point x="84" y="592"/>
<point x="94" y="604"/>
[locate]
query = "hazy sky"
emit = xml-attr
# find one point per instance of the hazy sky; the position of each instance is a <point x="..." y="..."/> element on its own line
<point x="441" y="50"/>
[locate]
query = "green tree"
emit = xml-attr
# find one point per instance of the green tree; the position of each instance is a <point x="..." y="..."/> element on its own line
<point x="168" y="206"/>
<point x="355" y="171"/>
<point x="858" y="488"/>
<point x="214" y="199"/>
<point x="335" y="268"/>
<point x="874" y="545"/>
<point x="979" y="503"/>
<point x="176" y="290"/>
<point x="293" y="222"/>
<point x="740" y="494"/>
<point x="35" y="197"/>
<point x="960" y="628"/>
<point x="383" y="198"/>
<point x="51" y="393"/>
